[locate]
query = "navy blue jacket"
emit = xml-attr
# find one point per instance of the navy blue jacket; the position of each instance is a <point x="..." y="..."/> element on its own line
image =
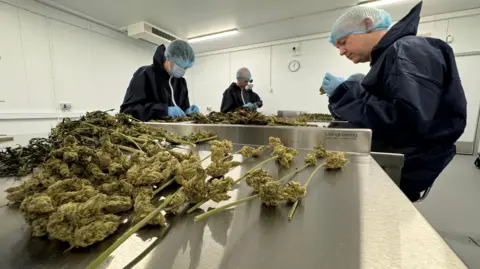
<point x="413" y="101"/>
<point x="232" y="98"/>
<point x="149" y="95"/>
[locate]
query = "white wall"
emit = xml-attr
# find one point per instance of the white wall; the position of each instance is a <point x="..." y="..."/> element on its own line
<point x="284" y="90"/>
<point x="49" y="57"/>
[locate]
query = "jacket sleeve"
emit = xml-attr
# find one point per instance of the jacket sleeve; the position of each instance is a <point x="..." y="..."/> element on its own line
<point x="412" y="95"/>
<point x="136" y="102"/>
<point x="257" y="100"/>
<point x="227" y="102"/>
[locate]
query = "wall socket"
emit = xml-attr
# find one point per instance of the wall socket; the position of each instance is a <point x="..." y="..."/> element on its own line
<point x="209" y="109"/>
<point x="65" y="106"/>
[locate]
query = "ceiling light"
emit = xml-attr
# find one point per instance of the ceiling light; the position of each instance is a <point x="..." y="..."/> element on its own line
<point x="213" y="35"/>
<point x="375" y="3"/>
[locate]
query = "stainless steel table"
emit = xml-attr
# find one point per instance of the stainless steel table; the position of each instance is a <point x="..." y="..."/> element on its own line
<point x="355" y="218"/>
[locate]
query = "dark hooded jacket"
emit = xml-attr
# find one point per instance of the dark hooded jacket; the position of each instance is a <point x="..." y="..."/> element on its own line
<point x="149" y="95"/>
<point x="232" y="98"/>
<point x="413" y="101"/>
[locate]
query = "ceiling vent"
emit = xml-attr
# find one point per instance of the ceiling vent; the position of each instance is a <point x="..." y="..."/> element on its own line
<point x="146" y="31"/>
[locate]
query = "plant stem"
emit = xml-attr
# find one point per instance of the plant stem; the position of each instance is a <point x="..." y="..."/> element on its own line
<point x="206" y="139"/>
<point x="294" y="207"/>
<point x="163" y="186"/>
<point x="128" y="149"/>
<point x="254" y="168"/>
<point x="6" y="139"/>
<point x="230" y="155"/>
<point x="100" y="259"/>
<point x="178" y="141"/>
<point x="131" y="140"/>
<point x="199" y="204"/>
<point x="206" y="157"/>
<point x="219" y="209"/>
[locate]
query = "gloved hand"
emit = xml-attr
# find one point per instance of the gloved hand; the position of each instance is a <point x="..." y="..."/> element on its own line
<point x="330" y="83"/>
<point x="192" y="110"/>
<point x="175" y="111"/>
<point x="250" y="106"/>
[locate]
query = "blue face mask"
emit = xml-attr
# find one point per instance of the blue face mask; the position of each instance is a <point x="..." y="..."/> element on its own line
<point x="177" y="71"/>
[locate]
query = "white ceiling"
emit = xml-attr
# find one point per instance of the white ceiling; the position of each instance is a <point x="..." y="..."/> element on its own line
<point x="257" y="20"/>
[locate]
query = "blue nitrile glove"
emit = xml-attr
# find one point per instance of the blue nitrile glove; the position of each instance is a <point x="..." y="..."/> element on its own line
<point x="330" y="83"/>
<point x="175" y="111"/>
<point x="250" y="105"/>
<point x="192" y="110"/>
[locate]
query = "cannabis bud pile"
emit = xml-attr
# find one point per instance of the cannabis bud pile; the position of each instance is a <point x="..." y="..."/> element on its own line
<point x="335" y="160"/>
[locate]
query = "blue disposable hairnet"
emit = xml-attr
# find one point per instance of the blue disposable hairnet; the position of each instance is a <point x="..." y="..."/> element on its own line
<point x="243" y="74"/>
<point x="181" y="53"/>
<point x="352" y="22"/>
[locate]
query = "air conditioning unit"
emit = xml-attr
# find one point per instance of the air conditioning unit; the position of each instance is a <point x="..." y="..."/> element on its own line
<point x="148" y="32"/>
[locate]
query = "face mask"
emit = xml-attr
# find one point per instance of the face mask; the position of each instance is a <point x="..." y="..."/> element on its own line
<point x="249" y="87"/>
<point x="177" y="71"/>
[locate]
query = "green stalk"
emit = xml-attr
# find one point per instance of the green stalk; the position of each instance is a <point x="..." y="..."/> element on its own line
<point x="130" y="139"/>
<point x="128" y="149"/>
<point x="206" y="139"/>
<point x="206" y="157"/>
<point x="199" y="204"/>
<point x="100" y="259"/>
<point x="163" y="186"/>
<point x="294" y="207"/>
<point x="255" y="168"/>
<point x="219" y="209"/>
<point x="6" y="139"/>
<point x="178" y="141"/>
<point x="230" y="155"/>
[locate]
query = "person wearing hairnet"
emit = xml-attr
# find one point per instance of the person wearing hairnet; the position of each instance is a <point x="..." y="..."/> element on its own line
<point x="159" y="90"/>
<point x="412" y="97"/>
<point x="240" y="94"/>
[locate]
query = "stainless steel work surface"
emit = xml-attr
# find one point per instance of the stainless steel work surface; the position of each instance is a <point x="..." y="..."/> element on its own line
<point x="354" y="218"/>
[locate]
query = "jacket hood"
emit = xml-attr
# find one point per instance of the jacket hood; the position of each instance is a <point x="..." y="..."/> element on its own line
<point x="407" y="26"/>
<point x="159" y="56"/>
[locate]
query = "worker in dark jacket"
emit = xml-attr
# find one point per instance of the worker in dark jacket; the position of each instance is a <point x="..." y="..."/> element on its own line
<point x="159" y="90"/>
<point x="412" y="98"/>
<point x="240" y="94"/>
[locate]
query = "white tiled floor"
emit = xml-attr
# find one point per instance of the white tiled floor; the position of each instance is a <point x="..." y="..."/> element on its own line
<point x="453" y="207"/>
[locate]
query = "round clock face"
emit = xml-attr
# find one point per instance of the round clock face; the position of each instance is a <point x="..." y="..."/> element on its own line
<point x="294" y="65"/>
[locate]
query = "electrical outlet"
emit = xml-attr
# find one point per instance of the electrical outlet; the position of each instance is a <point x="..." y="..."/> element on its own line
<point x="209" y="109"/>
<point x="65" y="106"/>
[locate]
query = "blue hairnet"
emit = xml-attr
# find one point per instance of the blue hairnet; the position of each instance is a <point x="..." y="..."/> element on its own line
<point x="243" y="74"/>
<point x="181" y="53"/>
<point x="352" y="22"/>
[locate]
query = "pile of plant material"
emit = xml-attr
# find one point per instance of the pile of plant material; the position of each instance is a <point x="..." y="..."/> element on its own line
<point x="240" y="116"/>
<point x="314" y="117"/>
<point x="123" y="130"/>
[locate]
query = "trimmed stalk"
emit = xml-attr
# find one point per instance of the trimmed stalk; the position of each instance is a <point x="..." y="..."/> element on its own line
<point x="219" y="209"/>
<point x="100" y="259"/>
<point x="199" y="204"/>
<point x="294" y="207"/>
<point x="6" y="139"/>
<point x="168" y="183"/>
<point x="206" y="139"/>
